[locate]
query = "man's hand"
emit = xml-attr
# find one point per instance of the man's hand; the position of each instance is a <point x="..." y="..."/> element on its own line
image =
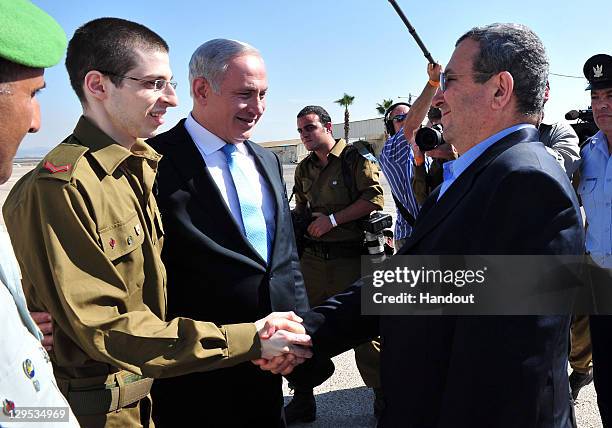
<point x="282" y="342"/>
<point x="320" y="226"/>
<point x="443" y="151"/>
<point x="282" y="365"/>
<point x="433" y="71"/>
<point x="45" y="324"/>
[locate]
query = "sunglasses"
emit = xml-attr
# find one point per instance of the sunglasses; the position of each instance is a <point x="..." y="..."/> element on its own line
<point x="399" y="117"/>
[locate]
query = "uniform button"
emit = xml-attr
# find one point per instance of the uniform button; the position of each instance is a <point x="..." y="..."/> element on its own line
<point x="130" y="240"/>
<point x="137" y="229"/>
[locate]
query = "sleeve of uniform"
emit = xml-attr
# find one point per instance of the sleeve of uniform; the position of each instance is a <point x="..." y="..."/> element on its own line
<point x="367" y="182"/>
<point x="301" y="298"/>
<point x="564" y="144"/>
<point x="298" y="191"/>
<point x="57" y="245"/>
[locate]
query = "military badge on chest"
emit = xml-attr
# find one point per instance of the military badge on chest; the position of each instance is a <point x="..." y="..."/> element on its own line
<point x="28" y="369"/>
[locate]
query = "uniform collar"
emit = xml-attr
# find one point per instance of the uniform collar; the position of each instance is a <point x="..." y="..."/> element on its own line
<point x="106" y="151"/>
<point x="336" y="151"/>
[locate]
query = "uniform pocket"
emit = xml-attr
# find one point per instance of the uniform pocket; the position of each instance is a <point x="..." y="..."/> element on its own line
<point x="122" y="237"/>
<point x="587" y="185"/>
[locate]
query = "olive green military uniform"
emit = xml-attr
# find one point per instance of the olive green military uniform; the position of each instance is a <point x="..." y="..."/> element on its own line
<point x="581" y="355"/>
<point x="88" y="236"/>
<point x="333" y="262"/>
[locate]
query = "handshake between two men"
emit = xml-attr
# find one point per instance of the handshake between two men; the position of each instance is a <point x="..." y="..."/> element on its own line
<point x="284" y="342"/>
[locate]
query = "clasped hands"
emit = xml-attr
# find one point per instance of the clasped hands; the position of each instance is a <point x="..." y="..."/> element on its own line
<point x="284" y="342"/>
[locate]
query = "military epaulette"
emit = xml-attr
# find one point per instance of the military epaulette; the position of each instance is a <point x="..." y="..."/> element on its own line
<point x="364" y="148"/>
<point x="61" y="161"/>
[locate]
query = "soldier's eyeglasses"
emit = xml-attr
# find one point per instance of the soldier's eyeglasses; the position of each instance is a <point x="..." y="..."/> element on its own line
<point x="445" y="76"/>
<point x="399" y="117"/>
<point x="156" y="85"/>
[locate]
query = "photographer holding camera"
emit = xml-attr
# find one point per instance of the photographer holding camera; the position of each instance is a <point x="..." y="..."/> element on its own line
<point x="430" y="141"/>
<point x="401" y="161"/>
<point x="336" y="185"/>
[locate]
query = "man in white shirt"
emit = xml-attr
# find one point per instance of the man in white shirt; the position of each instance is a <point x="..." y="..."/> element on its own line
<point x="28" y="391"/>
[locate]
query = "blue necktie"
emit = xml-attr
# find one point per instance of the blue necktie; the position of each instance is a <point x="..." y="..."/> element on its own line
<point x="252" y="214"/>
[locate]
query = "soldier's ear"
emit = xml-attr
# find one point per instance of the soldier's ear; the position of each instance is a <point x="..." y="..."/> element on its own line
<point x="95" y="84"/>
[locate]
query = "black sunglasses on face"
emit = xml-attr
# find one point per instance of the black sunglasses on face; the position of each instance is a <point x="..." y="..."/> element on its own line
<point x="399" y="117"/>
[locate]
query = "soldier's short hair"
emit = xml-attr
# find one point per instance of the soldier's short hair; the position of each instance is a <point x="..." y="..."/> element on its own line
<point x="211" y="59"/>
<point x="108" y="45"/>
<point x="319" y="111"/>
<point x="517" y="49"/>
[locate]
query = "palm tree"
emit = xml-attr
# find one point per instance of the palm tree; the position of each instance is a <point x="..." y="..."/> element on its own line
<point x="346" y="101"/>
<point x="382" y="108"/>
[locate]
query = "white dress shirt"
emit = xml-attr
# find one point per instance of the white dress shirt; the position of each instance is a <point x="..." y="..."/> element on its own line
<point x="210" y="147"/>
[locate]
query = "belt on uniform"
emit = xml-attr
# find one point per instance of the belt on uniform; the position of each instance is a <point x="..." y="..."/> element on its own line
<point x="109" y="399"/>
<point x="330" y="250"/>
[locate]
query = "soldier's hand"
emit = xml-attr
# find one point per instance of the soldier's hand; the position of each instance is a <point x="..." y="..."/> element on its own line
<point x="320" y="226"/>
<point x="284" y="342"/>
<point x="267" y="326"/>
<point x="419" y="157"/>
<point x="45" y="324"/>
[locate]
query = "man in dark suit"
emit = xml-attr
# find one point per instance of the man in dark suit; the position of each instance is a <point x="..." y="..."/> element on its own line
<point x="504" y="195"/>
<point x="229" y="250"/>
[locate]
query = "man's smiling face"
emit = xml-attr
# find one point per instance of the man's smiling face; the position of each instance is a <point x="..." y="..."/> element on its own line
<point x="233" y="112"/>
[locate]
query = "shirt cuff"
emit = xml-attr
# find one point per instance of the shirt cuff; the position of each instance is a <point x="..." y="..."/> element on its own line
<point x="243" y="340"/>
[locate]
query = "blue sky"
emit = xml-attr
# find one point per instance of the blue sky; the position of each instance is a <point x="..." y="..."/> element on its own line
<point x="317" y="50"/>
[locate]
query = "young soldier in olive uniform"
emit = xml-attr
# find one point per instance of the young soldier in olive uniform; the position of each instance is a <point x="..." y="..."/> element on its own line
<point x="334" y="240"/>
<point x="88" y="236"/>
<point x="30" y="40"/>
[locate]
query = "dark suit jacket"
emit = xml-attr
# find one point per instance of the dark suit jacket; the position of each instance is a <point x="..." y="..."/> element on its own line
<point x="495" y="371"/>
<point x="214" y="274"/>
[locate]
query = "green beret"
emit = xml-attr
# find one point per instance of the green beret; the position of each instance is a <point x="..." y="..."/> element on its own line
<point x="28" y="36"/>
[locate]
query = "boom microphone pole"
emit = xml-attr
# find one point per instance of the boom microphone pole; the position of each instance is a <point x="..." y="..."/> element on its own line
<point x="412" y="32"/>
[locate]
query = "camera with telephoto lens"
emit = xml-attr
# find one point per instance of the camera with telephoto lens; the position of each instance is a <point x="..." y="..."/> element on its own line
<point x="429" y="138"/>
<point x="585" y="126"/>
<point x="374" y="227"/>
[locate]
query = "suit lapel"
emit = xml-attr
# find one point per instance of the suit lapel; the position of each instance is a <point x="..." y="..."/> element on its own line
<point x="434" y="211"/>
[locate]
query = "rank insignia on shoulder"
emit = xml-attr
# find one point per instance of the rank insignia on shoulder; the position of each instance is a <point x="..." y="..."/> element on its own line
<point x="56" y="168"/>
<point x="8" y="407"/>
<point x="28" y="368"/>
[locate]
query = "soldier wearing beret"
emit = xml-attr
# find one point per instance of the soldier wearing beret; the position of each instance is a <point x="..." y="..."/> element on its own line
<point x="595" y="190"/>
<point x="30" y="41"/>
<point x="88" y="236"/>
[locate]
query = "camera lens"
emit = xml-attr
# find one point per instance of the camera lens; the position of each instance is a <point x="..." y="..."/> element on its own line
<point x="428" y="139"/>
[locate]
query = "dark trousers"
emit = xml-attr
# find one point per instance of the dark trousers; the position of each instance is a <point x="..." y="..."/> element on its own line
<point x="601" y="338"/>
<point x="241" y="396"/>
